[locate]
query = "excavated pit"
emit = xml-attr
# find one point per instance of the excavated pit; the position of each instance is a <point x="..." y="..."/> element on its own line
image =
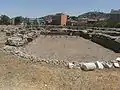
<point x="69" y="48"/>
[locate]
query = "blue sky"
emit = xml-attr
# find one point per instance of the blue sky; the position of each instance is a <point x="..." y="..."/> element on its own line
<point x="36" y="8"/>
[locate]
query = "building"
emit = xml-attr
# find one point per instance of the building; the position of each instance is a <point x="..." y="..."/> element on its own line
<point x="12" y="21"/>
<point x="115" y="11"/>
<point x="79" y="22"/>
<point x="59" y="19"/>
<point x="115" y="15"/>
<point x="92" y="21"/>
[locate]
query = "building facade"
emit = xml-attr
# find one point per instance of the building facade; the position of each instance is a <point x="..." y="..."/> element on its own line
<point x="115" y="15"/>
<point x="59" y="19"/>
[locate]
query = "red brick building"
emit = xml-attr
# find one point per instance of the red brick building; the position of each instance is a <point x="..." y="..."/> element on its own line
<point x="59" y="19"/>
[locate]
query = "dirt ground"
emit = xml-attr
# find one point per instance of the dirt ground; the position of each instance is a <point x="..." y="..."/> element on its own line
<point x="70" y="49"/>
<point x="20" y="74"/>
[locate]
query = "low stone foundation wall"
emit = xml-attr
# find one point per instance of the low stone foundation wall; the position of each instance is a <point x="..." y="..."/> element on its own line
<point x="18" y="52"/>
<point x="82" y="33"/>
<point x="106" y="41"/>
<point x="54" y="33"/>
<point x="71" y="65"/>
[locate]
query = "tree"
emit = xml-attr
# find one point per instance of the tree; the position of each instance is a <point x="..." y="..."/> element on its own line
<point x="27" y="21"/>
<point x="5" y="20"/>
<point x="111" y="24"/>
<point x="74" y="18"/>
<point x="35" y="22"/>
<point x="117" y="25"/>
<point x="18" y="20"/>
<point x="101" y="24"/>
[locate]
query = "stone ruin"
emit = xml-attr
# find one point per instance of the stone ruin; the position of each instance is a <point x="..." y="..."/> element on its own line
<point x="107" y="38"/>
<point x="19" y="36"/>
<point x="95" y="65"/>
<point x="107" y="41"/>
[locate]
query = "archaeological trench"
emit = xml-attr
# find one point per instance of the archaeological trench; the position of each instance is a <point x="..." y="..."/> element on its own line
<point x="19" y="37"/>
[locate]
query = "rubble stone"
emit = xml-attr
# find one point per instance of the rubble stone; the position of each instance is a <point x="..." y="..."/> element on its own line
<point x="99" y="65"/>
<point x="14" y="41"/>
<point x="116" y="65"/>
<point x="10" y="48"/>
<point x="118" y="59"/>
<point x="70" y="65"/>
<point x="88" y="66"/>
<point x="107" y="64"/>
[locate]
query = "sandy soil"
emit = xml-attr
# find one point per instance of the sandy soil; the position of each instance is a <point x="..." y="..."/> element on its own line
<point x="17" y="74"/>
<point x="69" y="48"/>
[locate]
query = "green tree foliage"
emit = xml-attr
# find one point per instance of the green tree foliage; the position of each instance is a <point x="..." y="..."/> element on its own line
<point x="35" y="22"/>
<point x="18" y="20"/>
<point x="111" y="24"/>
<point x="74" y="18"/>
<point x="94" y="14"/>
<point x="100" y="24"/>
<point x="117" y="25"/>
<point x="27" y="21"/>
<point x="5" y="20"/>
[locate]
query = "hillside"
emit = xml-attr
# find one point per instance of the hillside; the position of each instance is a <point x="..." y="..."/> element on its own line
<point x="94" y="15"/>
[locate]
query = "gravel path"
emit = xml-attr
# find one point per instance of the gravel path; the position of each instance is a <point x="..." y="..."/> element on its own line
<point x="69" y="48"/>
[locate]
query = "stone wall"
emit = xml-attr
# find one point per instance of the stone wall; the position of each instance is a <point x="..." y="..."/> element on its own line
<point x="106" y="41"/>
